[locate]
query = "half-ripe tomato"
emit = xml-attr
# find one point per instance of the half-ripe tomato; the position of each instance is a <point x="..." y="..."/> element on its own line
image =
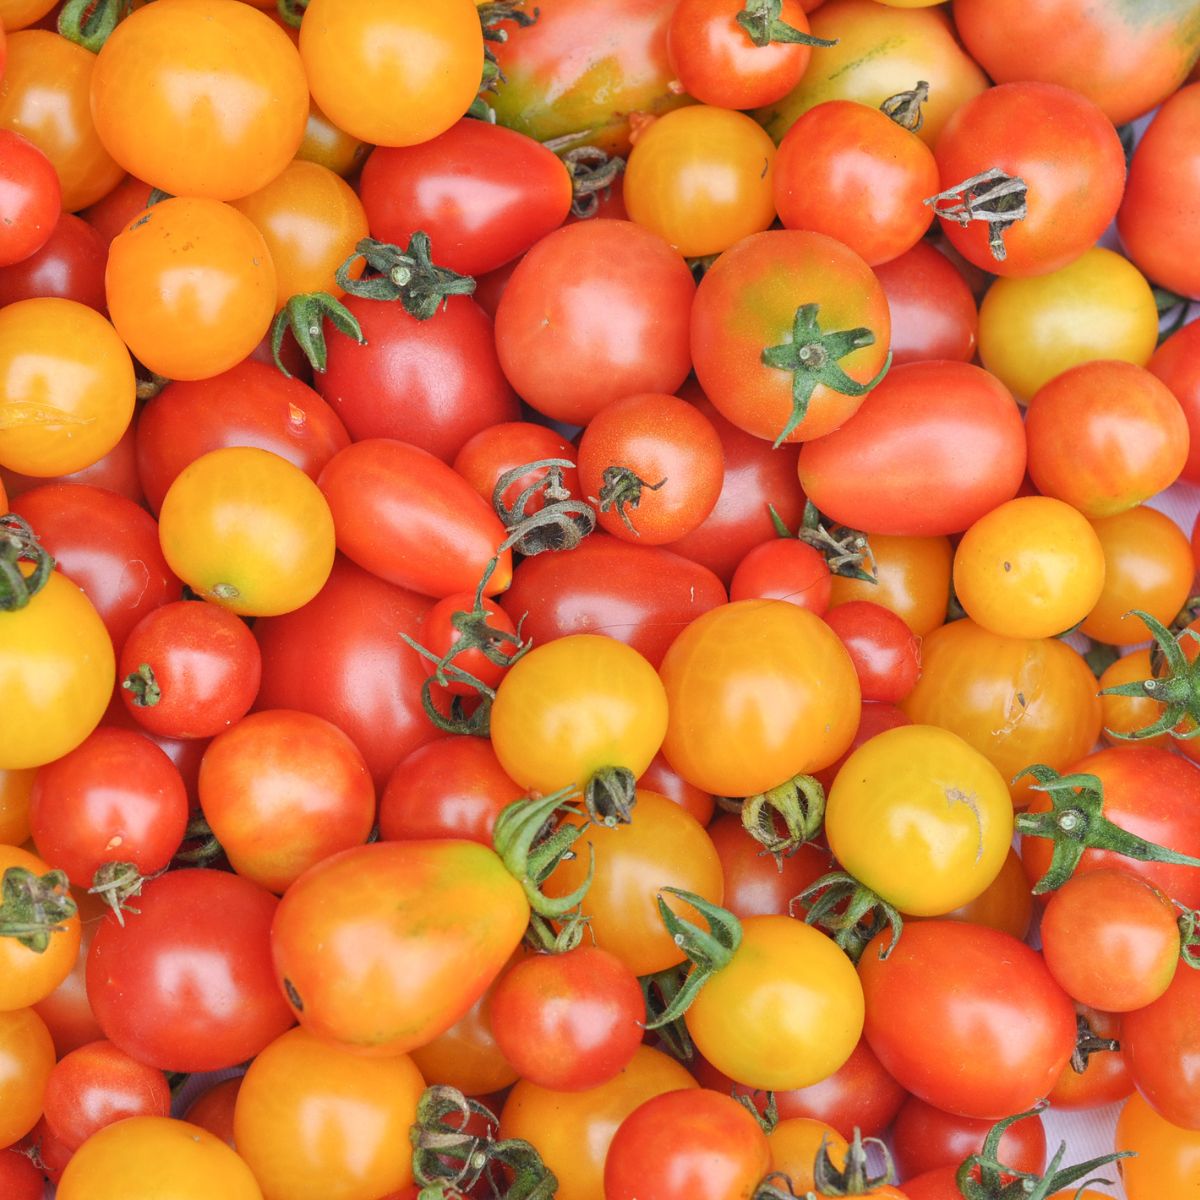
<point x="31" y="198"/>
<point x="314" y="1119"/>
<point x="57" y="671"/>
<point x="575" y="707"/>
<point x="26" y="1059"/>
<point x="853" y="173"/>
<point x="1161" y="1044"/>
<point x="180" y="1161"/>
<point x="572" y="1131"/>
<point x="790" y="329"/>
<point x="341" y="656"/>
<point x="1161" y="234"/>
<point x="758" y="884"/>
<point x="190" y="285"/>
<point x="885" y="652"/>
<point x="45" y="97"/>
<point x="433" y="383"/>
<point x="1167" y="1157"/>
<point x="311" y="220"/>
<point x="249" y="405"/>
<point x="1104" y="1078"/>
<point x="967" y="1018"/>
<point x="392" y="74"/>
<point x="925" y="1138"/>
<point x="105" y="544"/>
<point x="654" y="464"/>
<point x="1060" y="146"/>
<point x="1148" y="565"/>
<point x="29" y="974"/>
<point x="662" y="846"/>
<point x="1125" y="58"/>
<point x="1016" y="700"/>
<point x="912" y="579"/>
<point x="484" y="194"/>
<point x="283" y="790"/>
<point x="595" y="311"/>
<point x="70" y="266"/>
<point x="1177" y="363"/>
<point x="581" y="72"/>
<point x="247" y="530"/>
<point x="758" y="691"/>
<point x="448" y="907"/>
<point x="405" y="516"/>
<point x="66" y="387"/>
<point x="881" y="52"/>
<point x="1149" y="792"/>
<point x="200" y="98"/>
<point x="688" y="1145"/>
<point x="920" y="818"/>
<point x="1098" y="476"/>
<point x="933" y="311"/>
<point x="701" y="178"/>
<point x="932" y="449"/>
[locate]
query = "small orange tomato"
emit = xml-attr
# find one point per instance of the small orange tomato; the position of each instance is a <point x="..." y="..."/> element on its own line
<point x="15" y="787"/>
<point x="1128" y="714"/>
<point x="1032" y="567"/>
<point x="247" y="530"/>
<point x="912" y="579"/>
<point x="328" y="146"/>
<point x="191" y="287"/>
<point x="66" y="387"/>
<point x="1006" y="904"/>
<point x="795" y="1144"/>
<point x="311" y="220"/>
<point x="26" y="1058"/>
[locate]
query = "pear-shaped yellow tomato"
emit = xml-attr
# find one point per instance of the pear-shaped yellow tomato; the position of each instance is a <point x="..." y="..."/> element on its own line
<point x="759" y="691"/>
<point x="920" y="818"/>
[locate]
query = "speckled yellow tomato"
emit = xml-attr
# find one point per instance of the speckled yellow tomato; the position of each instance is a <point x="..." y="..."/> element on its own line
<point x="246" y="529"/>
<point x="759" y="691"/>
<point x="701" y="178"/>
<point x="921" y="818"/>
<point x="1033" y="567"/>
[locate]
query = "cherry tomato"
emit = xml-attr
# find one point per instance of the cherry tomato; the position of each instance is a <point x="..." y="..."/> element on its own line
<point x="1127" y="714"/>
<point x="687" y="1145"/>
<point x="200" y="98"/>
<point x="118" y="207"/>
<point x="925" y="1138"/>
<point x="784" y="569"/>
<point x="1005" y="904"/>
<point x="484" y="194"/>
<point x="30" y="198"/>
<point x="190" y="284"/>
<point x="441" y="634"/>
<point x="115" y="472"/>
<point x="662" y="778"/>
<point x="758" y="691"/>
<point x="912" y="579"/>
<point x="885" y="652"/>
<point x="19" y="1177"/>
<point x="66" y="1011"/>
<point x="213" y="1109"/>
<point x="179" y="1161"/>
<point x="314" y="1119"/>
<point x="1175" y="362"/>
<point x="967" y="1018"/>
<point x="1104" y="1078"/>
<point x="15" y="789"/>
<point x="185" y="984"/>
<point x="66" y="387"/>
<point x="758" y="884"/>
<point x="17" y="14"/>
<point x="874" y="718"/>
<point x="1167" y="1157"/>
<point x="327" y="145"/>
<point x="570" y="1021"/>
<point x="656" y="465"/>
<point x="26" y="1059"/>
<point x="933" y="312"/>
<point x="498" y="449"/>
<point x="662" y="846"/>
<point x="69" y="266"/>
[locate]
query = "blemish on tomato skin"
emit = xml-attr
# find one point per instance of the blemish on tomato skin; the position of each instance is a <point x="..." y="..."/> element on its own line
<point x="293" y="996"/>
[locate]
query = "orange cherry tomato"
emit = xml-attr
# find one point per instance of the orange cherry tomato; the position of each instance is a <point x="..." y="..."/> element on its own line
<point x="26" y="1058"/>
<point x="15" y="787"/>
<point x="1128" y="714"/>
<point x="912" y="579"/>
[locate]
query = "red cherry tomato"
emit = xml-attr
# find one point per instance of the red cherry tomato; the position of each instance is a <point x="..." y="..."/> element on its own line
<point x="784" y="569"/>
<point x="756" y="883"/>
<point x="925" y="1138"/>
<point x="441" y="634"/>
<point x="30" y="198"/>
<point x="1177" y="363"/>
<point x="885" y="652"/>
<point x="1161" y="1044"/>
<point x="934" y="314"/>
<point x="495" y="451"/>
<point x="70" y="265"/>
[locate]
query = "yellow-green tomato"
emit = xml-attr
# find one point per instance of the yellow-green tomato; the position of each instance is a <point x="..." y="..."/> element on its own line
<point x="1034" y="328"/>
<point x="1031" y="568"/>
<point x="701" y="178"/>
<point x="920" y="818"/>
<point x="784" y="1013"/>
<point x="575" y="706"/>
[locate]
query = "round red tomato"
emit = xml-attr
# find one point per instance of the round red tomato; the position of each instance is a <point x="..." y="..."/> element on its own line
<point x="934" y="314"/>
<point x="30" y="198"/>
<point x="925" y="1138"/>
<point x="1177" y="363"/>
<point x="499" y="449"/>
<point x="69" y="265"/>
<point x="885" y="652"/>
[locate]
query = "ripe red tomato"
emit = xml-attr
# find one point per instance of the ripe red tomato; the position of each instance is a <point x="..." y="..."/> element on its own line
<point x="440" y="634"/>
<point x="757" y="884"/>
<point x="784" y="569"/>
<point x="1161" y="1044"/>
<point x="30" y="198"/>
<point x="1105" y="1076"/>
<point x="1177" y="363"/>
<point x="934" y="314"/>
<point x="498" y="449"/>
<point x="19" y="1178"/>
<point x="885" y="652"/>
<point x="925" y="1138"/>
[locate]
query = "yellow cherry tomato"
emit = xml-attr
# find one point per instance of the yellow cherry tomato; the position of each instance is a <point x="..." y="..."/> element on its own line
<point x="1016" y="700"/>
<point x="26" y="1058"/>
<point x="575" y="706"/>
<point x="1034" y="328"/>
<point x="912" y="579"/>
<point x="190" y="287"/>
<point x="67" y="387"/>
<point x="795" y="1144"/>
<point x="701" y="178"/>
<point x="16" y="14"/>
<point x="920" y="818"/>
<point x="159" y="1157"/>
<point x="759" y="691"/>
<point x="315" y="1120"/>
<point x="785" y="1012"/>
<point x="328" y="146"/>
<point x="57" y="671"/>
<point x="15" y="789"/>
<point x="1147" y="565"/>
<point x="662" y="846"/>
<point x="392" y="72"/>
<point x="1032" y="567"/>
<point x="249" y="531"/>
<point x="311" y="220"/>
<point x="1128" y="714"/>
<point x="44" y="96"/>
<point x="1167" y="1158"/>
<point x="200" y="97"/>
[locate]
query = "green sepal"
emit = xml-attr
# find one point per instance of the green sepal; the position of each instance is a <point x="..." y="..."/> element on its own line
<point x="850" y="913"/>
<point x="34" y="907"/>
<point x="593" y="171"/>
<point x="88" y="23"/>
<point x="410" y="276"/>
<point x="305" y="316"/>
<point x="116" y="883"/>
<point x="855" y="1177"/>
<point x="1087" y="1043"/>
<point x="847" y="551"/>
<point x="291" y="11"/>
<point x="610" y="796"/>
<point x="799" y="803"/>
<point x="18" y="544"/>
<point x="709" y="950"/>
<point x="143" y="686"/>
<point x="1075" y="822"/>
<point x="812" y="358"/>
<point x="761" y="21"/>
<point x="658" y="993"/>
<point x="621" y="489"/>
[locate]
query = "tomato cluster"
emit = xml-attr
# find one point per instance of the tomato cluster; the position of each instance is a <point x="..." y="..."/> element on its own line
<point x="584" y="604"/>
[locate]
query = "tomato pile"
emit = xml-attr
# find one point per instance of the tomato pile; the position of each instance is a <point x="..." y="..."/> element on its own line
<point x="585" y="608"/>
